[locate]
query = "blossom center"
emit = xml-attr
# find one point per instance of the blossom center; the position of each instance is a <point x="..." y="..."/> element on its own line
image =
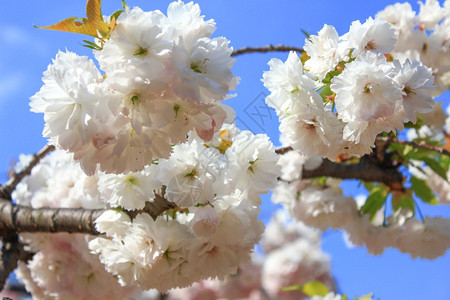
<point x="370" y="46"/>
<point x="368" y="88"/>
<point x="131" y="180"/>
<point x="141" y="51"/>
<point x="310" y="125"/>
<point x="408" y="91"/>
<point x="200" y="66"/>
<point x="134" y="99"/>
<point x="252" y="165"/>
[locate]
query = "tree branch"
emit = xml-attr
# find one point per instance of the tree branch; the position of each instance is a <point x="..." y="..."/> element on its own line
<point x="366" y="170"/>
<point x="27" y="219"/>
<point x="11" y="253"/>
<point x="439" y="150"/>
<point x="265" y="49"/>
<point x="369" y="168"/>
<point x="8" y="188"/>
<point x="283" y="150"/>
<point x="17" y="218"/>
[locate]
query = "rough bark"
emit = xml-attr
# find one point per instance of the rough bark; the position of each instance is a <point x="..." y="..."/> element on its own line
<point x="17" y="218"/>
<point x="11" y="253"/>
<point x="365" y="170"/>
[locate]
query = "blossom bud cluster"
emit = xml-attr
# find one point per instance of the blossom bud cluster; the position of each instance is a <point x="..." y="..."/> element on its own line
<point x="163" y="76"/>
<point x="347" y="89"/>
<point x="211" y="230"/>
<point x="324" y="206"/>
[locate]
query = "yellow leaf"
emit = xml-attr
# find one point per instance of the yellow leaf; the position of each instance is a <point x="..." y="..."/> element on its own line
<point x="76" y="25"/>
<point x="92" y="25"/>
<point x="94" y="15"/>
<point x="304" y="57"/>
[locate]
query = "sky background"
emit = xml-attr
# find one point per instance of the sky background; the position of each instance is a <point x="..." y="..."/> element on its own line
<point x="25" y="53"/>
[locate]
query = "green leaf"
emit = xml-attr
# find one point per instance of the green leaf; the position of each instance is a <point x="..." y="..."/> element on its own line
<point x="365" y="297"/>
<point x="403" y="200"/>
<point x="423" y="191"/>
<point x="325" y="92"/>
<point x="445" y="162"/>
<point x="315" y="288"/>
<point x="92" y="45"/>
<point x="416" y="125"/>
<point x="420" y="154"/>
<point x="436" y="167"/>
<point x="296" y="287"/>
<point x="125" y="6"/>
<point x="368" y="185"/>
<point x="305" y="33"/>
<point x="115" y="15"/>
<point x="330" y="75"/>
<point x="407" y="149"/>
<point x="322" y="181"/>
<point x="375" y="200"/>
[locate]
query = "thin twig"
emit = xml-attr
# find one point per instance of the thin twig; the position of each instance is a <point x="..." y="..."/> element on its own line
<point x="265" y="49"/>
<point x="439" y="150"/>
<point x="8" y="188"/>
<point x="283" y="150"/>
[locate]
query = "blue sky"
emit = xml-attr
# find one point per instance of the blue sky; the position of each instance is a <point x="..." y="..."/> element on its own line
<point x="26" y="52"/>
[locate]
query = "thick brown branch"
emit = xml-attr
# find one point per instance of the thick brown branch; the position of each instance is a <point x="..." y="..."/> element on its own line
<point x="413" y="144"/>
<point x="265" y="49"/>
<point x="15" y="219"/>
<point x="8" y="188"/>
<point x="11" y="253"/>
<point x="73" y="220"/>
<point x="365" y="170"/>
<point x="27" y="219"/>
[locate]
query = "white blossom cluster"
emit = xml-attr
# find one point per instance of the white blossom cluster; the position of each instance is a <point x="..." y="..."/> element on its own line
<point x="148" y="125"/>
<point x="162" y="76"/>
<point x="352" y="87"/>
<point x="210" y="232"/>
<point x="324" y="206"/>
<point x="292" y="256"/>
<point x="245" y="284"/>
<point x="216" y="226"/>
<point x="146" y="128"/>
<point x="62" y="266"/>
<point x="436" y="125"/>
<point x="424" y="36"/>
